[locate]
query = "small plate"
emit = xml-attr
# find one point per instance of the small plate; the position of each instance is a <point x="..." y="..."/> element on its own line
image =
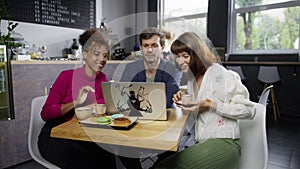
<point x="92" y="121"/>
<point x="185" y="105"/>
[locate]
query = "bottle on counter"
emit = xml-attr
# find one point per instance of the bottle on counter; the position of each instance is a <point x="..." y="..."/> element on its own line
<point x="34" y="52"/>
<point x="74" y="48"/>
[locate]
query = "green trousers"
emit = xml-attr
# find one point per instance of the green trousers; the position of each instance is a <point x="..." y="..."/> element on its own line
<point x="212" y="154"/>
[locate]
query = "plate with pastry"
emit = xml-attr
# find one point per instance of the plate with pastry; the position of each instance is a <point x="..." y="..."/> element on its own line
<point x="123" y="122"/>
<point x="118" y="121"/>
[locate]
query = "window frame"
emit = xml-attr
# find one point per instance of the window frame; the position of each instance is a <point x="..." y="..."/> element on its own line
<point x="232" y="19"/>
<point x="162" y="20"/>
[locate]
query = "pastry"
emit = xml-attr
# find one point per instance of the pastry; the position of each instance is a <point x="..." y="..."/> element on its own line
<point x="122" y="121"/>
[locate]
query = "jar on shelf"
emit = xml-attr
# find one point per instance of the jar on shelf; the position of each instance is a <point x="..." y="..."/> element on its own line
<point x="34" y="52"/>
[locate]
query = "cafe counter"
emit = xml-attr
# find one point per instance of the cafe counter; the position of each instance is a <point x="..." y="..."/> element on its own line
<point x="29" y="80"/>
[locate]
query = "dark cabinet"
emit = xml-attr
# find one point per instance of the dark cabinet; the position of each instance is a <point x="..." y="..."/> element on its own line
<point x="6" y="99"/>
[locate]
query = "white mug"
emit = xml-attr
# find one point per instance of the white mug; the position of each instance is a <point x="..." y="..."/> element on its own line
<point x="186" y="98"/>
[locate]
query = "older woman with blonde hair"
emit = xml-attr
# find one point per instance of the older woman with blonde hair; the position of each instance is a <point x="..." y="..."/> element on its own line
<point x="218" y="99"/>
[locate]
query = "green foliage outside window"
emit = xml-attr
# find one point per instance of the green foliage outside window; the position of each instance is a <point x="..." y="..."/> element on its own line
<point x="262" y="31"/>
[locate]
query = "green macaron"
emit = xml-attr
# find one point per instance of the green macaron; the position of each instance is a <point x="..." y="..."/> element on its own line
<point x="103" y="120"/>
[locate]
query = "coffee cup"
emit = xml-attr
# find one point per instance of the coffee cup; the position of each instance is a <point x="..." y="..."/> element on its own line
<point x="83" y="113"/>
<point x="100" y="109"/>
<point x="186" y="99"/>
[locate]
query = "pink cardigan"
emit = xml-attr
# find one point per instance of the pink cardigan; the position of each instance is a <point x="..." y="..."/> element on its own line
<point x="65" y="89"/>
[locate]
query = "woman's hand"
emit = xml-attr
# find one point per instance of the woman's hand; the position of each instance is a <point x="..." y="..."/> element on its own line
<point x="83" y="92"/>
<point x="201" y="105"/>
<point x="177" y="96"/>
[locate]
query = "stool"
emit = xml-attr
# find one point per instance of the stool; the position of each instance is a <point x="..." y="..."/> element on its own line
<point x="237" y="69"/>
<point x="269" y="75"/>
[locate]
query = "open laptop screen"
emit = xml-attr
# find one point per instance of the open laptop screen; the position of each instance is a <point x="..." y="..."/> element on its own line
<point x="140" y="99"/>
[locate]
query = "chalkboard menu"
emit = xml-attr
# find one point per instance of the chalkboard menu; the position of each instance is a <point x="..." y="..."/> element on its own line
<point x="66" y="13"/>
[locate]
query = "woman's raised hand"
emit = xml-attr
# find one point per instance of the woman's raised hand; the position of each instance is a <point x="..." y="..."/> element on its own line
<point x="82" y="95"/>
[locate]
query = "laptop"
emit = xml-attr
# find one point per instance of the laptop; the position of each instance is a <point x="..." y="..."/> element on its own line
<point x="136" y="99"/>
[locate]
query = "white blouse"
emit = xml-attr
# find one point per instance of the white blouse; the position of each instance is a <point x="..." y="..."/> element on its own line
<point x="225" y="88"/>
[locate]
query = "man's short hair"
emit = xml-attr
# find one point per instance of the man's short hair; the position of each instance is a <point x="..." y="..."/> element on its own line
<point x="150" y="32"/>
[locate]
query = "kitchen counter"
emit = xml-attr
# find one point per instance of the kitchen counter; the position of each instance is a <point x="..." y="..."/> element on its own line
<point x="29" y="80"/>
<point x="62" y="62"/>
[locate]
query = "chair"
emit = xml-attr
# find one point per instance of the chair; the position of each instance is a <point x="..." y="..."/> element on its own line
<point x="264" y="96"/>
<point x="188" y="136"/>
<point x="187" y="140"/>
<point x="270" y="75"/>
<point x="237" y="69"/>
<point x="254" y="140"/>
<point x="35" y="126"/>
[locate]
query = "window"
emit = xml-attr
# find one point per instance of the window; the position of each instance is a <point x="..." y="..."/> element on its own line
<point x="178" y="16"/>
<point x="264" y="26"/>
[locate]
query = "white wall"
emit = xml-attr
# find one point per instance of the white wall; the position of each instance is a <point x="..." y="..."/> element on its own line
<point x="54" y="37"/>
<point x="121" y="17"/>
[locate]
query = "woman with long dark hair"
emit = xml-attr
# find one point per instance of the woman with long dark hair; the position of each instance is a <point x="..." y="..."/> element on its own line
<point x="219" y="99"/>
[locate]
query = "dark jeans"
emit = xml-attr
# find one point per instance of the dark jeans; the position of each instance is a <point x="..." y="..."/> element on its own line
<point x="131" y="163"/>
<point x="72" y="154"/>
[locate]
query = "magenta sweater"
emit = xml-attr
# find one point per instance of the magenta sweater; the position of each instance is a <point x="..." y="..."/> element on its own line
<point x="65" y="89"/>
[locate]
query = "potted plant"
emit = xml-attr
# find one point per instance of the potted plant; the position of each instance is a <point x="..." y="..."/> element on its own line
<point x="5" y="39"/>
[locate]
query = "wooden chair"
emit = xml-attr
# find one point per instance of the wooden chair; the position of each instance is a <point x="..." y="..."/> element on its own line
<point x="237" y="69"/>
<point x="270" y="75"/>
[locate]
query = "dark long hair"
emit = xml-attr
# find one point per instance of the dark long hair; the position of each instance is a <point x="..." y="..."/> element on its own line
<point x="199" y="48"/>
<point x="87" y="38"/>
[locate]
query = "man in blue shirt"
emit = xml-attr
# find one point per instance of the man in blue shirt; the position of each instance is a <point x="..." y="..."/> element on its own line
<point x="152" y="68"/>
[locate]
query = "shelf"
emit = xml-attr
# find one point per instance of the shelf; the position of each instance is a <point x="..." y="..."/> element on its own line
<point x="78" y="62"/>
<point x="261" y="63"/>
